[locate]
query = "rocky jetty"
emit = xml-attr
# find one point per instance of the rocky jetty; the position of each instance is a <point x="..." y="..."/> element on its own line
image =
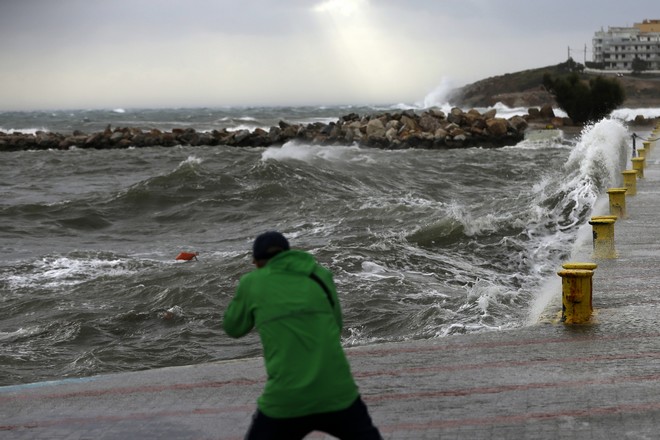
<point x="406" y="129"/>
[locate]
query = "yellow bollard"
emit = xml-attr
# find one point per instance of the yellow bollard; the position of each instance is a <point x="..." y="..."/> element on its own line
<point x="630" y="182"/>
<point x="647" y="147"/>
<point x="600" y="217"/>
<point x="603" y="235"/>
<point x="641" y="152"/>
<point x="617" y="202"/>
<point x="576" y="287"/>
<point x="582" y="266"/>
<point x="579" y="266"/>
<point x="638" y="165"/>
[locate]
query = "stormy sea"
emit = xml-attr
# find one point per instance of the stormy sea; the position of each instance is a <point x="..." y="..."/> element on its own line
<point x="423" y="243"/>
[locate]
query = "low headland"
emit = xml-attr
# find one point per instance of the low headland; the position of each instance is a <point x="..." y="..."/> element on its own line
<point x="431" y="128"/>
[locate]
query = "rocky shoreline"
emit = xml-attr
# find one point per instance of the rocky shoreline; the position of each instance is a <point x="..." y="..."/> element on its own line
<point x="431" y="129"/>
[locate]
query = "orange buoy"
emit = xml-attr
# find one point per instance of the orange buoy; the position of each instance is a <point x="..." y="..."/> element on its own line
<point x="187" y="256"/>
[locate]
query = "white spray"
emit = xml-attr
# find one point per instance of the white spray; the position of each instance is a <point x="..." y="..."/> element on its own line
<point x="594" y="165"/>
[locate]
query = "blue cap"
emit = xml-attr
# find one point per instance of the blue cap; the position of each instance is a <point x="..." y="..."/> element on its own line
<point x="269" y="244"/>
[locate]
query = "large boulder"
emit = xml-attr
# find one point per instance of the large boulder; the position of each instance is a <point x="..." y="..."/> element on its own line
<point x="375" y="128"/>
<point x="436" y="112"/>
<point x="534" y="113"/>
<point x="116" y="137"/>
<point x="497" y="127"/>
<point x="456" y="115"/>
<point x="547" y="112"/>
<point x="238" y="137"/>
<point x="429" y="123"/>
<point x="490" y="114"/>
<point x="518" y="123"/>
<point x="393" y="123"/>
<point x="440" y="134"/>
<point x="391" y="134"/>
<point x="409" y="123"/>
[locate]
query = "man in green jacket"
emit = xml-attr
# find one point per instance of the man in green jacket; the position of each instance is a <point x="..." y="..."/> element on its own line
<point x="292" y="301"/>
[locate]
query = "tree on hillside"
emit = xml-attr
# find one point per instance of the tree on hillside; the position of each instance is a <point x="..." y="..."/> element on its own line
<point x="570" y="65"/>
<point x="585" y="101"/>
<point x="639" y="65"/>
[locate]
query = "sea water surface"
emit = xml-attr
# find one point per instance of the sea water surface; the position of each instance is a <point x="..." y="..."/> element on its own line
<point x="423" y="243"/>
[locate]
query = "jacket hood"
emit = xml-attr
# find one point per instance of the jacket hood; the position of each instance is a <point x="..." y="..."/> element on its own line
<point x="292" y="261"/>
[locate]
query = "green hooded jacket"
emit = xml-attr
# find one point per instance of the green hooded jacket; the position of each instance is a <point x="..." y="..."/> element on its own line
<point x="300" y="331"/>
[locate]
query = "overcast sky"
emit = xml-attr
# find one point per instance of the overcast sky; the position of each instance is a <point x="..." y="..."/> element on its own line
<point x="57" y="54"/>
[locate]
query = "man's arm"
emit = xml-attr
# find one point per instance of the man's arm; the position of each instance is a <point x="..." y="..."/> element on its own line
<point x="238" y="319"/>
<point x="336" y="310"/>
<point x="329" y="281"/>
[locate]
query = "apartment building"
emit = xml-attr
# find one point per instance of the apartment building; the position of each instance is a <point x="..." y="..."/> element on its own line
<point x="616" y="48"/>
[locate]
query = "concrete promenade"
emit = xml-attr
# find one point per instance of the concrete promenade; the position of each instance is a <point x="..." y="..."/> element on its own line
<point x="544" y="381"/>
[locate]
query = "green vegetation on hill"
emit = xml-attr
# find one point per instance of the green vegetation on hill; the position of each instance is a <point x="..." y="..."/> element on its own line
<point x="582" y="100"/>
<point x="525" y="88"/>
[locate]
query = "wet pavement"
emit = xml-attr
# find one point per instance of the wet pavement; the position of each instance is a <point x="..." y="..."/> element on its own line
<point x="543" y="381"/>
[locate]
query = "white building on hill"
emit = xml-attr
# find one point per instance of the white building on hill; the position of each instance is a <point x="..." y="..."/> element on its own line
<point x="616" y="48"/>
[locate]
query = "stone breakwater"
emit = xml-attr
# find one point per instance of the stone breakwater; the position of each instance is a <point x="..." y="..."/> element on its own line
<point x="398" y="130"/>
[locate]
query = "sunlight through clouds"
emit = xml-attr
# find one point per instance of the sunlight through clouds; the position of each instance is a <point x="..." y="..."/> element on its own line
<point x="343" y="7"/>
<point x="371" y="60"/>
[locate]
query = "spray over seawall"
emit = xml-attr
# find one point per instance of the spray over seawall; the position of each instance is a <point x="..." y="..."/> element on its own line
<point x="594" y="165"/>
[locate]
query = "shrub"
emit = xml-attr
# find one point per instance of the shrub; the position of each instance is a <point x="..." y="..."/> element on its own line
<point x="585" y="101"/>
<point x="639" y="66"/>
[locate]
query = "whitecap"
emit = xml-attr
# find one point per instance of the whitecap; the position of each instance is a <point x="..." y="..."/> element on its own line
<point x="629" y="114"/>
<point x="31" y="130"/>
<point x="191" y="160"/>
<point x="309" y="153"/>
<point x="54" y="272"/>
<point x="376" y="271"/>
<point x="21" y="332"/>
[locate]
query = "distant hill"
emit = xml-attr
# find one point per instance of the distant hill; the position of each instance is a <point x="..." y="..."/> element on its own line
<point x="524" y="89"/>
